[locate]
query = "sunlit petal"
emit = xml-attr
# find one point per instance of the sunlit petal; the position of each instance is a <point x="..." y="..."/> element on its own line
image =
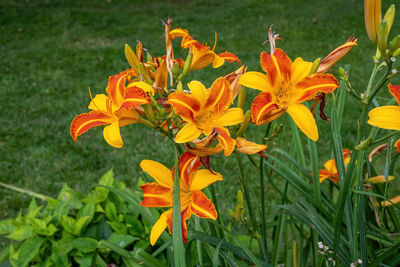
<point x="202" y="206"/>
<point x="159" y="227"/>
<point x="156" y="195"/>
<point x="199" y="91"/>
<point x="219" y="96"/>
<point x="112" y="135"/>
<point x="248" y="147"/>
<point x="83" y="122"/>
<point x="188" y="133"/>
<point x="185" y="105"/>
<point x="142" y="85"/>
<point x="256" y="80"/>
<point x="203" y="178"/>
<point x="300" y="69"/>
<point x="386" y="117"/>
<point x="277" y="66"/>
<point x="304" y="119"/>
<point x="134" y="96"/>
<point x="100" y="103"/>
<point x="158" y="171"/>
<point x="310" y="86"/>
<point x="232" y="116"/>
<point x="263" y="108"/>
<point x="225" y="140"/>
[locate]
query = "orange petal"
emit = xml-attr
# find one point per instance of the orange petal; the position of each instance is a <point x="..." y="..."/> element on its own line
<point x="247" y="147"/>
<point x="188" y="164"/>
<point x="391" y="201"/>
<point x="262" y="109"/>
<point x="230" y="57"/>
<point x="395" y="91"/>
<point x="397" y="145"/>
<point x="185" y="215"/>
<point x="204" y="151"/>
<point x="373" y="17"/>
<point x="219" y="96"/>
<point x="83" y="122"/>
<point x="323" y="174"/>
<point x="201" y="57"/>
<point x="202" y="206"/>
<point x="155" y="195"/>
<point x="115" y="88"/>
<point x="225" y="140"/>
<point x="277" y="66"/>
<point x="161" y="76"/>
<point x="127" y="117"/>
<point x="185" y="105"/>
<point x="134" y="96"/>
<point x="311" y="85"/>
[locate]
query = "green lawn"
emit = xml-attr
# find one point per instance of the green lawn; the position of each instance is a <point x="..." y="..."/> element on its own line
<point x="52" y="51"/>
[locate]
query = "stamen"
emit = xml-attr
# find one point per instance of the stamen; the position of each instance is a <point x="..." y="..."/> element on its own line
<point x="215" y="41"/>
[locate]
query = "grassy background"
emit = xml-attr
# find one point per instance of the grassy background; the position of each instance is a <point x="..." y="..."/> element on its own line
<point x="52" y="51"/>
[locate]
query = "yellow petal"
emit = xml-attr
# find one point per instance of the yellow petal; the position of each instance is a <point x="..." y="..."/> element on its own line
<point x="159" y="227"/>
<point x="199" y="91"/>
<point x="159" y="172"/>
<point x="232" y="116"/>
<point x="144" y="86"/>
<point x="304" y="119"/>
<point x="112" y="135"/>
<point x="203" y="178"/>
<point x="99" y="102"/>
<point x="255" y="80"/>
<point x="188" y="133"/>
<point x="300" y="69"/>
<point x="218" y="62"/>
<point x="386" y="117"/>
<point x="391" y="201"/>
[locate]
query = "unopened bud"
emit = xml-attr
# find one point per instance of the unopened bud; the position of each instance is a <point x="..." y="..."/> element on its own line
<point x="315" y="66"/>
<point x="245" y="124"/>
<point x="186" y="68"/>
<point x="364" y="144"/>
<point x="149" y="113"/>
<point x="239" y="197"/>
<point x="231" y="213"/>
<point x="242" y="97"/>
<point x="131" y="58"/>
<point x="342" y="73"/>
<point x="394" y="43"/>
<point x="389" y="17"/>
<point x="382" y="37"/>
<point x="175" y="69"/>
<point x="396" y="53"/>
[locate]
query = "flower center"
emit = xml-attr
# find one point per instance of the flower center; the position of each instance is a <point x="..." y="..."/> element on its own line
<point x="283" y="94"/>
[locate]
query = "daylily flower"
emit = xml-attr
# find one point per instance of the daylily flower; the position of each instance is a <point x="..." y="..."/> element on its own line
<point x="203" y="55"/>
<point x="330" y="172"/>
<point x="116" y="109"/>
<point x="285" y="87"/>
<point x="336" y="54"/>
<point x="206" y="111"/>
<point x="160" y="194"/>
<point x="387" y="117"/>
<point x="373" y="17"/>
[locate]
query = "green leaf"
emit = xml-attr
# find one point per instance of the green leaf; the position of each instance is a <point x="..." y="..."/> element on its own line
<point x="85" y="244"/>
<point x="21" y="233"/>
<point x="4" y="254"/>
<point x="6" y="227"/>
<point x="28" y="250"/>
<point x="147" y="259"/>
<point x="38" y="225"/>
<point x="122" y="240"/>
<point x="118" y="227"/>
<point x="111" y="211"/>
<point x="60" y="250"/>
<point x="108" y="178"/>
<point x="84" y="261"/>
<point x="32" y="205"/>
<point x="216" y="254"/>
<point x="68" y="223"/>
<point x="88" y="210"/>
<point x="81" y="224"/>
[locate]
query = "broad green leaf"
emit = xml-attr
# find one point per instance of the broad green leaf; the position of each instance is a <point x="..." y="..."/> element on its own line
<point x="122" y="240"/>
<point x="84" y="261"/>
<point x="68" y="223"/>
<point x="4" y="254"/>
<point x="147" y="259"/>
<point x="60" y="250"/>
<point x="32" y="205"/>
<point x="32" y="214"/>
<point x="118" y="227"/>
<point x="13" y="257"/>
<point x="108" y="178"/>
<point x="21" y="233"/>
<point x="6" y="227"/>
<point x="38" y="225"/>
<point x="81" y="224"/>
<point x="85" y="244"/>
<point x="111" y="211"/>
<point x="87" y="210"/>
<point x="28" y="250"/>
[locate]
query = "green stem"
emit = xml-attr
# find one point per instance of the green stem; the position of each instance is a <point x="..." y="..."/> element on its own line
<point x="179" y="250"/>
<point x="243" y="181"/>
<point x="24" y="191"/>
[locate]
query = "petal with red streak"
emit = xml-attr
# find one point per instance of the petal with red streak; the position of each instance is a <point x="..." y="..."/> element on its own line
<point x="397" y="145"/>
<point x="230" y="57"/>
<point x="188" y="164"/>
<point x="134" y="96"/>
<point x="395" y="91"/>
<point x="202" y="206"/>
<point x="83" y="122"/>
<point x="185" y="105"/>
<point x="219" y="96"/>
<point x="115" y="88"/>
<point x="155" y="195"/>
<point x="311" y="85"/>
<point x="225" y="140"/>
<point x="185" y="215"/>
<point x="277" y="66"/>
<point x="263" y="108"/>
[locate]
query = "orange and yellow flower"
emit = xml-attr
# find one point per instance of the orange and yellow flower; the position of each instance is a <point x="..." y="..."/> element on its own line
<point x="330" y="171"/>
<point x="284" y="88"/>
<point x="116" y="109"/>
<point x="192" y="180"/>
<point x="387" y="117"/>
<point x="373" y="17"/>
<point x="203" y="55"/>
<point x="206" y="111"/>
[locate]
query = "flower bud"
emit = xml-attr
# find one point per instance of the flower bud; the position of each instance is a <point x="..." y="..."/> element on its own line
<point x="179" y="87"/>
<point x="131" y="58"/>
<point x="379" y="179"/>
<point x="382" y="37"/>
<point x="315" y="66"/>
<point x="186" y="68"/>
<point x="372" y="16"/>
<point x="389" y="16"/>
<point x="242" y="97"/>
<point x="175" y="69"/>
<point x="394" y="43"/>
<point x="396" y="53"/>
<point x="342" y="73"/>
